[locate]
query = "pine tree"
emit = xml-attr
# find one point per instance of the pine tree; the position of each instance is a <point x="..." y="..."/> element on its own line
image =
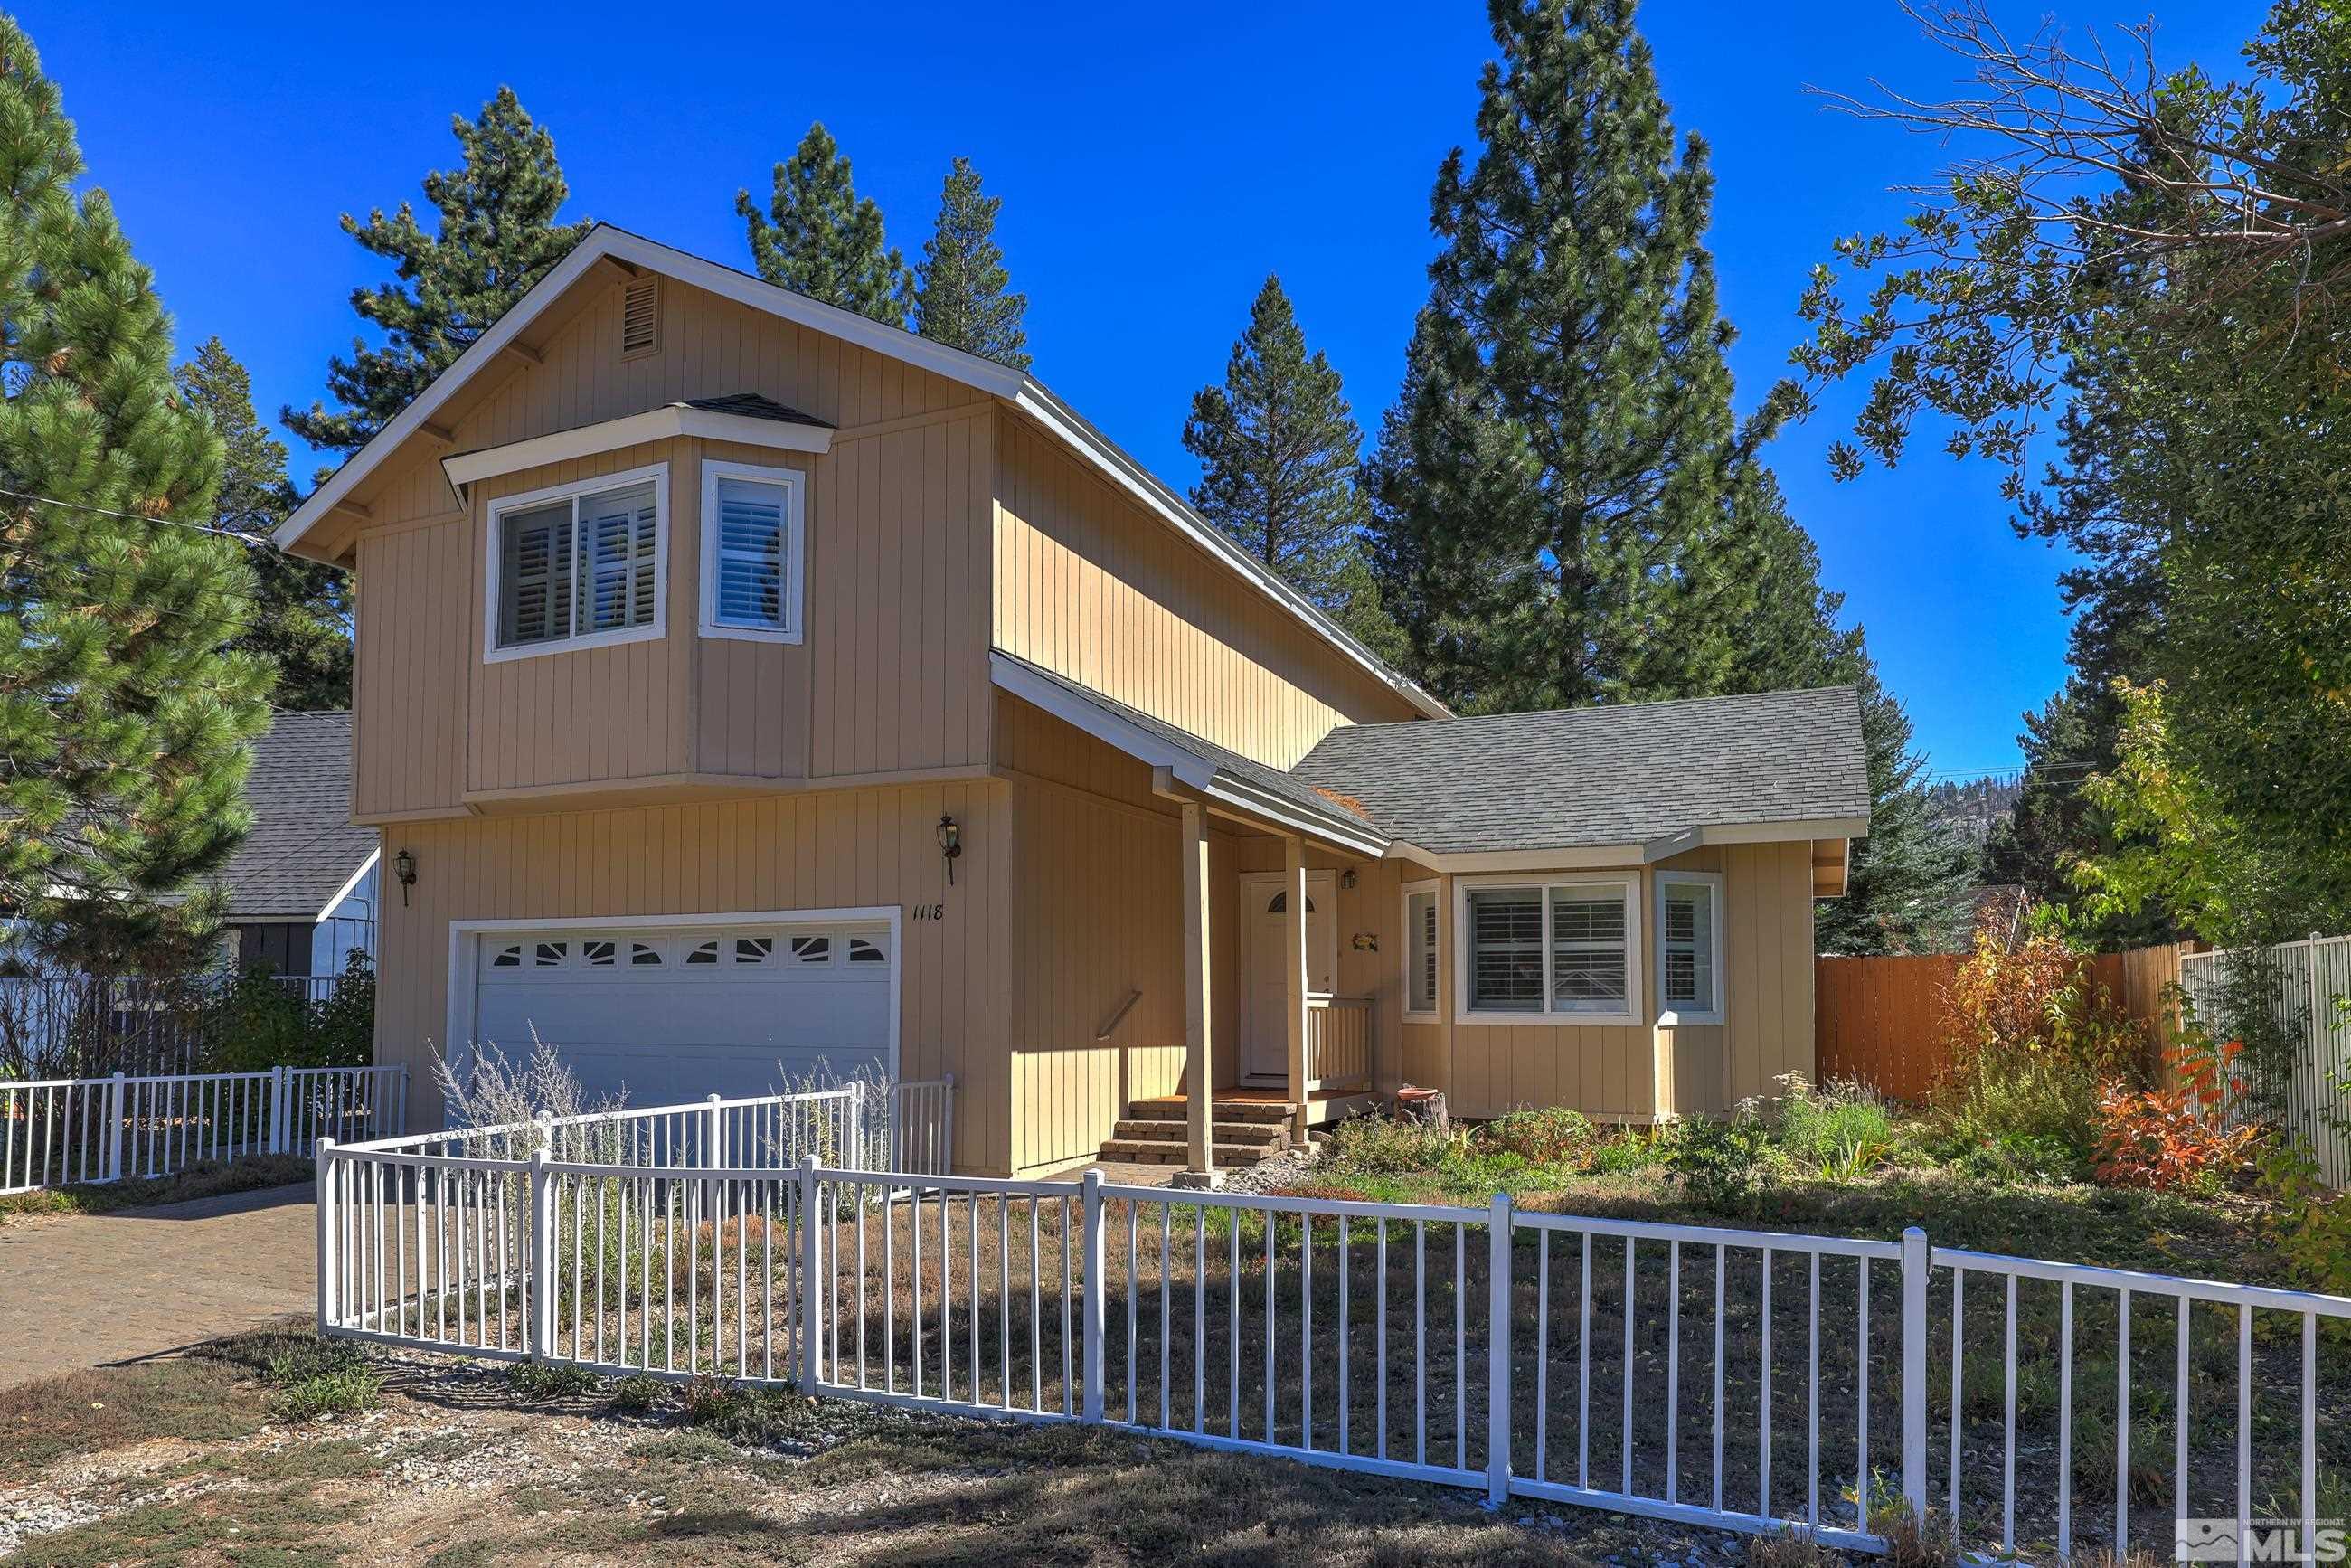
<point x="1600" y="557"/>
<point x="302" y="617"/>
<point x="820" y="238"/>
<point x="124" y="717"/>
<point x="497" y="235"/>
<point x="960" y="295"/>
<point x="1278" y="450"/>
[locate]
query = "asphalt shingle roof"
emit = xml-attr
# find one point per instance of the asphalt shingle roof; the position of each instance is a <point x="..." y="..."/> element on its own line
<point x="1286" y="786"/>
<point x="303" y="846"/>
<point x="1573" y="778"/>
<point x="753" y="405"/>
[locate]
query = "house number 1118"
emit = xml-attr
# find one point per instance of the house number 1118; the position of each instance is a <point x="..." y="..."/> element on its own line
<point x="930" y="911"/>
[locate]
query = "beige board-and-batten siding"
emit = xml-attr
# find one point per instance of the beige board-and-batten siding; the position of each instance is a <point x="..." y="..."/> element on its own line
<point x="1090" y="585"/>
<point x="890" y="676"/>
<point x="1641" y="1072"/>
<point x="822" y="849"/>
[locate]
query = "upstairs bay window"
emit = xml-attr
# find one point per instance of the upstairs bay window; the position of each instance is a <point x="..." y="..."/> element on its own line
<point x="578" y="565"/>
<point x="1554" y="950"/>
<point x="751" y="552"/>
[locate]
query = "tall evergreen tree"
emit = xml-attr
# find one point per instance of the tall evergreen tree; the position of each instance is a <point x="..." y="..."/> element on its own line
<point x="961" y="293"/>
<point x="1574" y="303"/>
<point x="496" y="235"/>
<point x="123" y="716"/>
<point x="820" y="238"/>
<point x="302" y="616"/>
<point x="1278" y="450"/>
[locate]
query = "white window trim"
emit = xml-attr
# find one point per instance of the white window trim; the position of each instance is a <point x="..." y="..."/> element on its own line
<point x="659" y="474"/>
<point x="1410" y="891"/>
<point x="1669" y="1017"/>
<point x="1627" y="880"/>
<point x="464" y="953"/>
<point x="795" y="483"/>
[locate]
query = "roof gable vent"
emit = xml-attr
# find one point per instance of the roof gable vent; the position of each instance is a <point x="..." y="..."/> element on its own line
<point x="640" y="317"/>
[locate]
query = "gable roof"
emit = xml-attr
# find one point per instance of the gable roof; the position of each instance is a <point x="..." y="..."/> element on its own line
<point x="303" y="850"/>
<point x="1650" y="774"/>
<point x="1017" y="387"/>
<point x="1202" y="764"/>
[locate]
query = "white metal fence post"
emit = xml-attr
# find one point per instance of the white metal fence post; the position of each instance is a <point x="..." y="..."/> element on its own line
<point x="1092" y="1299"/>
<point x="858" y="1159"/>
<point x="1916" y="1258"/>
<point x="946" y="1134"/>
<point x="328" y="1309"/>
<point x="811" y="1288"/>
<point x="542" y="1257"/>
<point x="281" y="1112"/>
<point x="713" y="1156"/>
<point x="114" y="1128"/>
<point x="1498" y="1351"/>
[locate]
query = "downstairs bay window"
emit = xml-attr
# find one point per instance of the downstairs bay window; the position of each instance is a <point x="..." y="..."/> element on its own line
<point x="1552" y="950"/>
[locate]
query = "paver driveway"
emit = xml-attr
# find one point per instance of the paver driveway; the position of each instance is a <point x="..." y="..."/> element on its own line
<point x="80" y="1290"/>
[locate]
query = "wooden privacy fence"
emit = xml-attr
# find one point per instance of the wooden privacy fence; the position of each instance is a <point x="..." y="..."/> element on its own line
<point x="1745" y="1380"/>
<point x="1881" y="1020"/>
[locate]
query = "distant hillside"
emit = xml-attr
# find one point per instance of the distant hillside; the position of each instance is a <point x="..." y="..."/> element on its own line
<point x="1970" y="807"/>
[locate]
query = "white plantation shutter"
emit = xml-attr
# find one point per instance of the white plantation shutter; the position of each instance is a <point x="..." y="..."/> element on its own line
<point x="534" y="573"/>
<point x="751" y="530"/>
<point x="1506" y="959"/>
<point x="1420" y="956"/>
<point x="1689" y="945"/>
<point x="618" y="549"/>
<point x="1587" y="942"/>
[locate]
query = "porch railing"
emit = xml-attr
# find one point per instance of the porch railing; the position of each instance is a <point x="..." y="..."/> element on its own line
<point x="1338" y="1042"/>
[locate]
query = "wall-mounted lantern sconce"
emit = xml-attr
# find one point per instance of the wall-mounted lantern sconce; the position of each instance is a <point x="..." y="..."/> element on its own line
<point x="1347" y="878"/>
<point x="403" y="869"/>
<point x="950" y="838"/>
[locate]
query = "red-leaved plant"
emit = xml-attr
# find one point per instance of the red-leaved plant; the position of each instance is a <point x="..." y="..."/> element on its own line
<point x="2168" y="1139"/>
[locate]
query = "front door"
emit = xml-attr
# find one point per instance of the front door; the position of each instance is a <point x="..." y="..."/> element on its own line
<point x="1265" y="917"/>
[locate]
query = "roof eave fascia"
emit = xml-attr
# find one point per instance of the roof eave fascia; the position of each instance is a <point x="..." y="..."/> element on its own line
<point x="1795" y="830"/>
<point x="1072" y="429"/>
<point x="667" y="423"/>
<point x="1581" y="857"/>
<point x="1340" y="832"/>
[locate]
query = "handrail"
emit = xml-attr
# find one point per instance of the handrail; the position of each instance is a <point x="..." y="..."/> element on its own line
<point x="1118" y="1016"/>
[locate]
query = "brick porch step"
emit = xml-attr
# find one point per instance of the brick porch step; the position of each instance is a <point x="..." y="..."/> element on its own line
<point x="1176" y="1132"/>
<point x="1154" y="1151"/>
<point x="1172" y="1110"/>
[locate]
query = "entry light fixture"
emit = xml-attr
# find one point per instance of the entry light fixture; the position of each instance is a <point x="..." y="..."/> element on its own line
<point x="403" y="869"/>
<point x="950" y="838"/>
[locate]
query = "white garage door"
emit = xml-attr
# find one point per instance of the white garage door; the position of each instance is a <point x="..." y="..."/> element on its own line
<point x="668" y="1015"/>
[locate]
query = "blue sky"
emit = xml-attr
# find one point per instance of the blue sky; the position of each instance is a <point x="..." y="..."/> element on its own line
<point x="1155" y="164"/>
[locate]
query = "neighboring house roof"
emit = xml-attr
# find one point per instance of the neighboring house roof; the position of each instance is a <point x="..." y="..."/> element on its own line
<point x="1017" y="387"/>
<point x="303" y="853"/>
<point x="1635" y="773"/>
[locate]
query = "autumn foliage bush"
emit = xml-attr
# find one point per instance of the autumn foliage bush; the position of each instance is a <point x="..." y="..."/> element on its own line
<point x="2032" y="1041"/>
<point x="2174" y="1139"/>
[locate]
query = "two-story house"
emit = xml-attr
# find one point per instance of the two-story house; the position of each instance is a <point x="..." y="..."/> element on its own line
<point x="746" y="687"/>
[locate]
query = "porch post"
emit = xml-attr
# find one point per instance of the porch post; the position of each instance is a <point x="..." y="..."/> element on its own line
<point x="1199" y="1078"/>
<point x="1293" y="976"/>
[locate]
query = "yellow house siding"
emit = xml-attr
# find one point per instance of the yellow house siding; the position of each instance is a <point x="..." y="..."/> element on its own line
<point x="1090" y="585"/>
<point x="411" y="663"/>
<point x="850" y="848"/>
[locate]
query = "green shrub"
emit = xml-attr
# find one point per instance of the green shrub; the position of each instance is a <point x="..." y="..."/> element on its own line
<point x="637" y="1395"/>
<point x="540" y="1380"/>
<point x="1724" y="1162"/>
<point x="1551" y="1136"/>
<point x="1379" y="1144"/>
<point x="2022" y="1157"/>
<point x="322" y="1377"/>
<point x="1632" y="1150"/>
<point x="2043" y="1099"/>
<point x="1841" y="1130"/>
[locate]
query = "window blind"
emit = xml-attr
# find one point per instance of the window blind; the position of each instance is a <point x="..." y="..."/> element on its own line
<point x="750" y="528"/>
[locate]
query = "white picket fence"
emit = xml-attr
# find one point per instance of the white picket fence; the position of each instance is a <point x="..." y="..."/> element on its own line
<point x="60" y="1132"/>
<point x="2309" y="979"/>
<point x="1743" y="1380"/>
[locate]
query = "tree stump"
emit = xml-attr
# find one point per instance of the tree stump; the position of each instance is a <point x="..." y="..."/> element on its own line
<point x="1422" y="1105"/>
